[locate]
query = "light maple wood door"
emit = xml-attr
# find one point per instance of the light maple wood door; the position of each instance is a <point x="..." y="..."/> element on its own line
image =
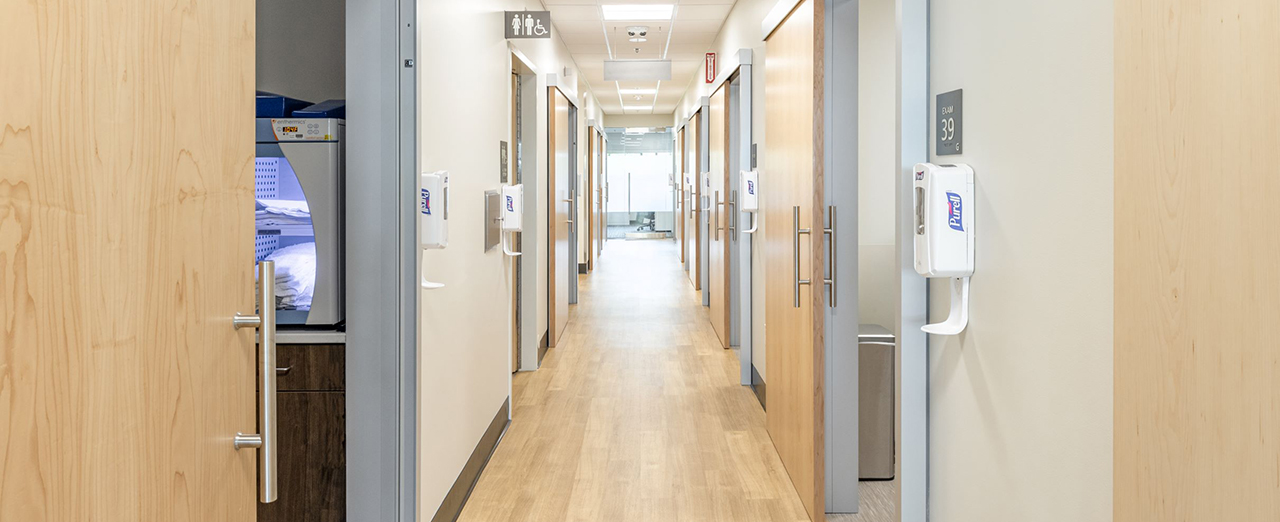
<point x="592" y="167"/>
<point x="1197" y="363"/>
<point x="597" y="233"/>
<point x="126" y="247"/>
<point x="696" y="193"/>
<point x="718" y="240"/>
<point x="792" y="184"/>
<point x="558" y="192"/>
<point x="513" y="166"/>
<point x="681" y="196"/>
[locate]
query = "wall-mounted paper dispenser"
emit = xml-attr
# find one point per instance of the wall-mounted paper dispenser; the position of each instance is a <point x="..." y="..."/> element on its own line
<point x="512" y="215"/>
<point x="750" y="190"/>
<point x="944" y="247"/>
<point x="433" y="215"/>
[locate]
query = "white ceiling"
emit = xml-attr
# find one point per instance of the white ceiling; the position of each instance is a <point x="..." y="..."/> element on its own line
<point x="683" y="40"/>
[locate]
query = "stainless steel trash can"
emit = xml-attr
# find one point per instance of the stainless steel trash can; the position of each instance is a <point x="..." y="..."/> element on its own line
<point x="875" y="402"/>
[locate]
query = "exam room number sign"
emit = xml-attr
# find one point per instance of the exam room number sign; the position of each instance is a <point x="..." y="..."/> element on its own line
<point x="949" y="122"/>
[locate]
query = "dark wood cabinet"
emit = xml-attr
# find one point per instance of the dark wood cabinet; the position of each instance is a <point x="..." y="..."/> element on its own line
<point x="311" y="406"/>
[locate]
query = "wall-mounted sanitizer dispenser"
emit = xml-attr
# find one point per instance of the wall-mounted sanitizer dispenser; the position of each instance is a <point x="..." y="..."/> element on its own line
<point x="433" y="216"/>
<point x="943" y="202"/>
<point x="512" y="215"/>
<point x="750" y="190"/>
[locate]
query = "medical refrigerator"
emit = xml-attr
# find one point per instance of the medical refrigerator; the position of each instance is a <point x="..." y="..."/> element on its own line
<point x="299" y="211"/>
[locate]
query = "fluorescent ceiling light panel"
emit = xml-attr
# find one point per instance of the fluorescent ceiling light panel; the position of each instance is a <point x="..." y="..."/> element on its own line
<point x="636" y="108"/>
<point x="638" y="91"/>
<point x="637" y="12"/>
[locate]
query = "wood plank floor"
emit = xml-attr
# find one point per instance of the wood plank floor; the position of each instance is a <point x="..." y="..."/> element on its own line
<point x="637" y="415"/>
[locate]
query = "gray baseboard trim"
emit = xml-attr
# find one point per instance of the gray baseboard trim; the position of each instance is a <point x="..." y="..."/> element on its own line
<point x="453" y="503"/>
<point x="757" y="386"/>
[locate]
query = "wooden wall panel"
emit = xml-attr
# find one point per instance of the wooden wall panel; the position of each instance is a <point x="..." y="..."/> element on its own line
<point x="1197" y="368"/>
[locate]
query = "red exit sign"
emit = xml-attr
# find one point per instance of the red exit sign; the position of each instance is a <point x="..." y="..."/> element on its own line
<point x="711" y="67"/>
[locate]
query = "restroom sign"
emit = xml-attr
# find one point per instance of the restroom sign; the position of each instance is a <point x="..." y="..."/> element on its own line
<point x="711" y="67"/>
<point x="527" y="24"/>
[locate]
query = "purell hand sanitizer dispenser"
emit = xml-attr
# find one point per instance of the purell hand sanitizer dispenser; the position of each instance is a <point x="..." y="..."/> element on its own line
<point x="750" y="190"/>
<point x="943" y="200"/>
<point x="512" y="215"/>
<point x="433" y="216"/>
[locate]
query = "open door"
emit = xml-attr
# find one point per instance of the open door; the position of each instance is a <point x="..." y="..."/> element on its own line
<point x="681" y="196"/>
<point x="560" y="264"/>
<point x="126" y="250"/>
<point x="597" y="233"/>
<point x="592" y="170"/>
<point x="793" y="255"/>
<point x="718" y="240"/>
<point x="696" y="194"/>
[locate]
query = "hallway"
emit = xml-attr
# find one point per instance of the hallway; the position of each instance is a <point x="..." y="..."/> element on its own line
<point x="637" y="416"/>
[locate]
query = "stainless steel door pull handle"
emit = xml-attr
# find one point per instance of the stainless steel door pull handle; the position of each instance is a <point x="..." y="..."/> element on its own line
<point x="795" y="257"/>
<point x="265" y="440"/>
<point x="830" y="231"/>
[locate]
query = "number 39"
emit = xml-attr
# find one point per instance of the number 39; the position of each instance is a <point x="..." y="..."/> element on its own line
<point x="948" y="130"/>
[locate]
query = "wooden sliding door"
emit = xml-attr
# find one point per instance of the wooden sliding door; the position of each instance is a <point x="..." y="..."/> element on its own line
<point x="792" y="176"/>
<point x="718" y="240"/>
<point x="1197" y="366"/>
<point x="600" y="222"/>
<point x="126" y="248"/>
<point x="697" y="216"/>
<point x="560" y="264"/>
<point x="681" y="194"/>
<point x="593" y="168"/>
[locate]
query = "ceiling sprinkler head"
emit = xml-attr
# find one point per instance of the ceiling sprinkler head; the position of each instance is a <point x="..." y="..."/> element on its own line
<point x="637" y="50"/>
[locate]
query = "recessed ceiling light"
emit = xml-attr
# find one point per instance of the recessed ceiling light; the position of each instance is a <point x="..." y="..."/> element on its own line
<point x="637" y="12"/>
<point x="638" y="91"/>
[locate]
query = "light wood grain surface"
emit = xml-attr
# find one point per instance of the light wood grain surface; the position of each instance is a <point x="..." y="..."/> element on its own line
<point x="694" y="142"/>
<point x="637" y="415"/>
<point x="718" y="243"/>
<point x="1197" y="369"/>
<point x="791" y="179"/>
<point x="126" y="233"/>
<point x="558" y="190"/>
<point x="681" y="195"/>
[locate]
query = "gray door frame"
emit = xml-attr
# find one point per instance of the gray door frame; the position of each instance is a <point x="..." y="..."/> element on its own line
<point x="382" y="312"/>
<point x="840" y="165"/>
<point x="912" y="350"/>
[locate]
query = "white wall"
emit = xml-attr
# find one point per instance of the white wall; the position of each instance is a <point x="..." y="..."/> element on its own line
<point x="464" y="363"/>
<point x="1021" y="403"/>
<point x="877" y="162"/>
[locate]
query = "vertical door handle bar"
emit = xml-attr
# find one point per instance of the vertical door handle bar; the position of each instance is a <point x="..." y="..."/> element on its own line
<point x="265" y="440"/>
<point x="795" y="257"/>
<point x="715" y="215"/>
<point x="830" y="231"/>
<point x="732" y="215"/>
